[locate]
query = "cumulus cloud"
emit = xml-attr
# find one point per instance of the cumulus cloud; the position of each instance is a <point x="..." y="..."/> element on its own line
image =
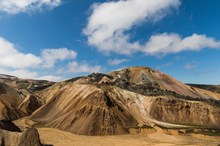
<point x="116" y="61"/>
<point x="11" y="57"/>
<point x="16" y="63"/>
<point x="109" y="22"/>
<point x="51" y="56"/>
<point x="75" y="67"/>
<point x="166" y="43"/>
<point x="17" y="6"/>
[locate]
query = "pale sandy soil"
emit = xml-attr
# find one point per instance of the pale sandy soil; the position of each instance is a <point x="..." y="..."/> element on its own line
<point x="61" y="138"/>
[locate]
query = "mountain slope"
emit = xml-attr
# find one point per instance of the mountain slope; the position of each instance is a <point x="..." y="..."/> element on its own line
<point x="136" y="97"/>
<point x="24" y="91"/>
<point x="9" y="102"/>
<point x="212" y="88"/>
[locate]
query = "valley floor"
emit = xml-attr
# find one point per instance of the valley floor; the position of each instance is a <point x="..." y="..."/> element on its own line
<point x="61" y="138"/>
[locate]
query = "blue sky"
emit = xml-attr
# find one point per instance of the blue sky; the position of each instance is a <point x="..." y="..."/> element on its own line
<point x="61" y="39"/>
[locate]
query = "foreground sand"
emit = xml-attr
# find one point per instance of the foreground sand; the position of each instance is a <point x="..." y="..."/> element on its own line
<point x="61" y="138"/>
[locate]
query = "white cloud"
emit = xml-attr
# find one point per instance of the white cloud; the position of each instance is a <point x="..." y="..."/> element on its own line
<point x="109" y="21"/>
<point x="21" y="73"/>
<point x="116" y="61"/>
<point x="13" y="62"/>
<point x="51" y="56"/>
<point x="17" y="6"/>
<point x="51" y="78"/>
<point x="162" y="44"/>
<point x="11" y="57"/>
<point x="75" y="67"/>
<point x="190" y="65"/>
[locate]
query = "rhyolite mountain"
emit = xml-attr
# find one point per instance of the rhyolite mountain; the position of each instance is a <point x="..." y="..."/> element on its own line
<point x="119" y="102"/>
<point x="136" y="97"/>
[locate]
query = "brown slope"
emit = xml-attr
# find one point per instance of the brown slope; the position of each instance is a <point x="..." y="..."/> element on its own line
<point x="111" y="104"/>
<point x="27" y="91"/>
<point x="102" y="110"/>
<point x="84" y="109"/>
<point x="30" y="104"/>
<point x="9" y="102"/>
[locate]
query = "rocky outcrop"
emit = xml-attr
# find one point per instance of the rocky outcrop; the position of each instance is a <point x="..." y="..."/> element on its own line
<point x="30" y="137"/>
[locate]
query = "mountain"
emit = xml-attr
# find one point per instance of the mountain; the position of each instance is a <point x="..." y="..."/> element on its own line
<point x="132" y="98"/>
<point x="25" y="84"/>
<point x="213" y="88"/>
<point x="18" y="97"/>
<point x="140" y="104"/>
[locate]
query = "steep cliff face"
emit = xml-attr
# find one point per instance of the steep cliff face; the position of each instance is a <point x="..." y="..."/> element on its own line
<point x="137" y="97"/>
